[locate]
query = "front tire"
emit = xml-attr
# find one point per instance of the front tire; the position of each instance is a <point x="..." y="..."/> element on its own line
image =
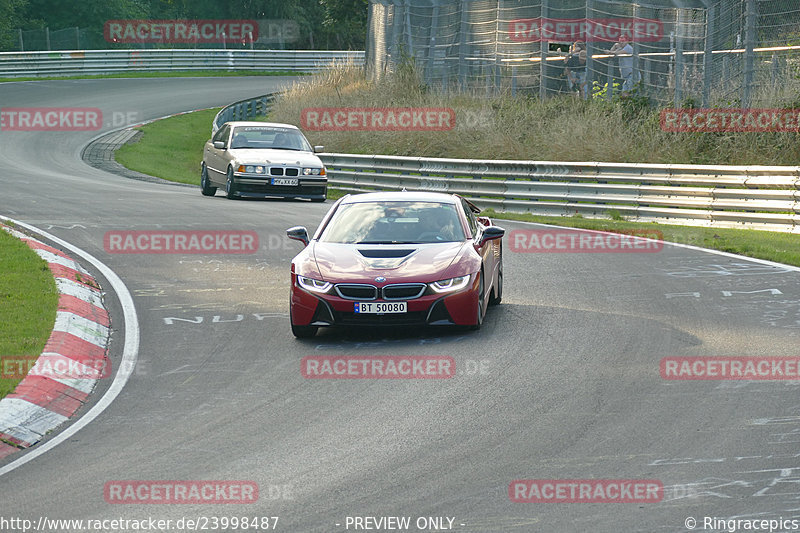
<point x="497" y="290"/>
<point x="205" y="185"/>
<point x="479" y="318"/>
<point x="230" y="187"/>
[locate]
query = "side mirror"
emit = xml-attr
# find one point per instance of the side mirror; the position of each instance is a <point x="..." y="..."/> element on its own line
<point x="298" y="233"/>
<point x="219" y="145"/>
<point x="492" y="233"/>
<point x="318" y="149"/>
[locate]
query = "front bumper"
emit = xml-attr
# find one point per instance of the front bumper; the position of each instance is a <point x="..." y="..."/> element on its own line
<point x="308" y="309"/>
<point x="249" y="186"/>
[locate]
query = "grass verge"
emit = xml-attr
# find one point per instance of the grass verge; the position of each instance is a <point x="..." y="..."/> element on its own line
<point x="170" y="148"/>
<point x="28" y="304"/>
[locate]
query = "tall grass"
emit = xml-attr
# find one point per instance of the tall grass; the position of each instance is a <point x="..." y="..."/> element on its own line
<point x="561" y="128"/>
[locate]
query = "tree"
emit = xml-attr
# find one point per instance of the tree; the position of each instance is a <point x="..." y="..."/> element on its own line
<point x="10" y="20"/>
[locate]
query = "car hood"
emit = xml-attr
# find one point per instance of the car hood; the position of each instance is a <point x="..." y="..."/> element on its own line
<point x="397" y="262"/>
<point x="257" y="156"/>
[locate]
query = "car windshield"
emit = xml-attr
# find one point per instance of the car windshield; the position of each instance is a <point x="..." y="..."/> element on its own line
<point x="400" y="222"/>
<point x="269" y="137"/>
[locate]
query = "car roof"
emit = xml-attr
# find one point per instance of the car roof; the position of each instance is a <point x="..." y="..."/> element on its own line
<point x="262" y="124"/>
<point x="402" y="196"/>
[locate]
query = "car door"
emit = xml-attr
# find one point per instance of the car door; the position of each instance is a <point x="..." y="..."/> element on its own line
<point x="216" y="159"/>
<point x="487" y="250"/>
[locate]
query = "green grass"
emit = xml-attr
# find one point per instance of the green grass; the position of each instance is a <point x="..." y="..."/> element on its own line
<point x="176" y="74"/>
<point x="773" y="246"/>
<point x="170" y="148"/>
<point x="28" y="304"/>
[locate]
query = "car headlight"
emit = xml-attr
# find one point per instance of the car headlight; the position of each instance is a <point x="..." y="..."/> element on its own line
<point x="450" y="285"/>
<point x="314" y="285"/>
<point x="259" y="169"/>
<point x="314" y="171"/>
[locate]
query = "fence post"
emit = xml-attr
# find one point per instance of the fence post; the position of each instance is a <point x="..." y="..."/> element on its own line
<point x="637" y="73"/>
<point x="429" y="71"/>
<point x="589" y="52"/>
<point x="543" y="49"/>
<point x="707" y="56"/>
<point x="462" y="46"/>
<point x="47" y="37"/>
<point x="21" y="43"/>
<point x="749" y="55"/>
<point x="514" y="80"/>
<point x="679" y="59"/>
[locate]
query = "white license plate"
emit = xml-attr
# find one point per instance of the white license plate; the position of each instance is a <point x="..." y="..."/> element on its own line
<point x="380" y="308"/>
<point x="284" y="181"/>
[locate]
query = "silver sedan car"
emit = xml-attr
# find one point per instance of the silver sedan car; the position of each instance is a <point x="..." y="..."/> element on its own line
<point x="260" y="160"/>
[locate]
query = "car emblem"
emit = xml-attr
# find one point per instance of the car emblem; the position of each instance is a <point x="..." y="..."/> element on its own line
<point x="380" y="279"/>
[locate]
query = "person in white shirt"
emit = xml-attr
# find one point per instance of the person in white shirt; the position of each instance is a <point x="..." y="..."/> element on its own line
<point x="624" y="48"/>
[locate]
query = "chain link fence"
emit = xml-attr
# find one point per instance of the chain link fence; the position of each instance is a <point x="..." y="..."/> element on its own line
<point x="702" y="52"/>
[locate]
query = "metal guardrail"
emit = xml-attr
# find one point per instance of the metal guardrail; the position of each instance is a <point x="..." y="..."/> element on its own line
<point x="84" y="62"/>
<point x="753" y="197"/>
<point x="243" y="110"/>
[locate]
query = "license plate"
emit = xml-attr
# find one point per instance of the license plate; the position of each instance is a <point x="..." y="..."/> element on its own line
<point x="284" y="181"/>
<point x="380" y="308"/>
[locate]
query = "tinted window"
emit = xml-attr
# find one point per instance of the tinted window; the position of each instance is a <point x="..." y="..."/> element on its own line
<point x="269" y="137"/>
<point x="394" y="222"/>
<point x="222" y="134"/>
<point x="471" y="220"/>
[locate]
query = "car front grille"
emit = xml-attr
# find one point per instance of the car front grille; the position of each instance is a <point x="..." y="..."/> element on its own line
<point x="281" y="171"/>
<point x="356" y="291"/>
<point x="406" y="291"/>
<point x="365" y="291"/>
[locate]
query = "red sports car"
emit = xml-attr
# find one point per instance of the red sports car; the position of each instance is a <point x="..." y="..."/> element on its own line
<point x="396" y="259"/>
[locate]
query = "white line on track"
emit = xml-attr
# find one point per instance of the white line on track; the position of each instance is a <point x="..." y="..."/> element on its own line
<point x="666" y="243"/>
<point x="130" y="351"/>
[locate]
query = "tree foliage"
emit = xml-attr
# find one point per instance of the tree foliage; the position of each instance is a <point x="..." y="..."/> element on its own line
<point x="322" y="24"/>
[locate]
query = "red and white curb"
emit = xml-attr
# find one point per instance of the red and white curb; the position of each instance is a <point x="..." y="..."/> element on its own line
<point x="42" y="401"/>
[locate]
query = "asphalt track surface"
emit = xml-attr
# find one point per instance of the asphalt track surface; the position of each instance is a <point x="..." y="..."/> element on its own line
<point x="569" y="386"/>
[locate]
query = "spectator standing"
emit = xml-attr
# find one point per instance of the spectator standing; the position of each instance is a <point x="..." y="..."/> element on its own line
<point x="575" y="67"/>
<point x="624" y="52"/>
